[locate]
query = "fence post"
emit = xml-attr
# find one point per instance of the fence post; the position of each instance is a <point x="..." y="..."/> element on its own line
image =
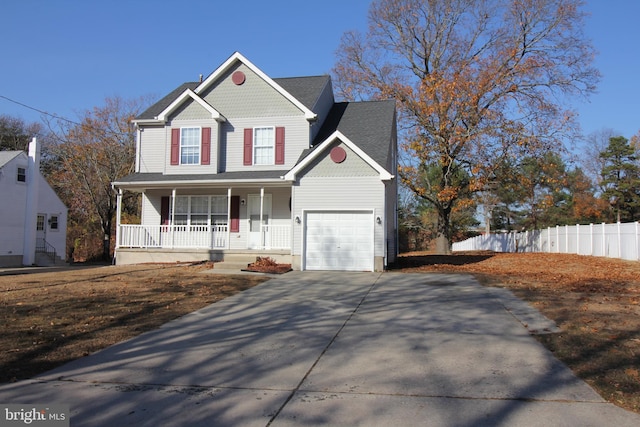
<point x="591" y="239"/>
<point x="605" y="250"/>
<point x="637" y="241"/>
<point x="578" y="239"/>
<point x="619" y="241"/>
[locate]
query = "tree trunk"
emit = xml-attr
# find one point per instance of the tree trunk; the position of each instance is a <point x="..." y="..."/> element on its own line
<point x="443" y="235"/>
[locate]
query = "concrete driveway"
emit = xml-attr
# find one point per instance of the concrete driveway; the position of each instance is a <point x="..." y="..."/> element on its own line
<point x="347" y="349"/>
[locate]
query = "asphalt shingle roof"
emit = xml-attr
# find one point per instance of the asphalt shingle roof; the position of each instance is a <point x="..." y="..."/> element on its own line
<point x="368" y="124"/>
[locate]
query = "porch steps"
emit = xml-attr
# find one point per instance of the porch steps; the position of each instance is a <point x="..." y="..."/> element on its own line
<point x="235" y="262"/>
<point x="240" y="260"/>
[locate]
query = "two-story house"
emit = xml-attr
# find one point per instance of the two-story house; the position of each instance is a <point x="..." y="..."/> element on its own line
<point x="240" y="163"/>
<point x="34" y="219"/>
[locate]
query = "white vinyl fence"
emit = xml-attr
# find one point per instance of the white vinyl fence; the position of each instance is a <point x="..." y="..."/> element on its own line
<point x="620" y="240"/>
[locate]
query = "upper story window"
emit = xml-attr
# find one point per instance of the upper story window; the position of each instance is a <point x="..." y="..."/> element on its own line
<point x="190" y="146"/>
<point x="263" y="145"/>
<point x="22" y="175"/>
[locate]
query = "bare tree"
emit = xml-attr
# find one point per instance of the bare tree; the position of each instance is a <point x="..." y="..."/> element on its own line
<point x="476" y="81"/>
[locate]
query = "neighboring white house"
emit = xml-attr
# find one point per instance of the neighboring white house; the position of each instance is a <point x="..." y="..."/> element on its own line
<point x="50" y="222"/>
<point x="240" y="163"/>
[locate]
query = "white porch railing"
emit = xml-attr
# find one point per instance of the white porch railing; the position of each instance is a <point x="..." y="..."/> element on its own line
<point x="176" y="236"/>
<point x="195" y="236"/>
<point x="276" y="236"/>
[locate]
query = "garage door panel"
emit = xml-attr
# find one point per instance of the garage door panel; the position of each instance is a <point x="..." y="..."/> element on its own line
<point x="338" y="240"/>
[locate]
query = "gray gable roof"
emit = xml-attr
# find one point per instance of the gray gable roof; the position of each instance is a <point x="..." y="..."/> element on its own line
<point x="305" y="89"/>
<point x="7" y="156"/>
<point x="368" y="124"/>
<point x="157" y="108"/>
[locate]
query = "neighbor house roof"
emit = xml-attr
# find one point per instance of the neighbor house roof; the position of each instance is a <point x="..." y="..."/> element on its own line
<point x="7" y="156"/>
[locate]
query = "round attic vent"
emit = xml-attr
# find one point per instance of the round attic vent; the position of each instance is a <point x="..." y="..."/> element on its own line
<point x="238" y="78"/>
<point x="338" y="154"/>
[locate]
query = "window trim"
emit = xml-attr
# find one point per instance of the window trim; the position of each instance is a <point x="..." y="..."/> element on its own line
<point x="189" y="212"/>
<point x="197" y="146"/>
<point x="18" y="175"/>
<point x="271" y="145"/>
<point x="54" y="220"/>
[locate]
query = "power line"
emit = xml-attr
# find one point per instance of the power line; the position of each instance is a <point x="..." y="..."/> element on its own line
<point x="117" y="133"/>
<point x="38" y="110"/>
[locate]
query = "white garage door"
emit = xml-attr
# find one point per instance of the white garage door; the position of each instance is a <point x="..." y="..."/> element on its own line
<point x="337" y="240"/>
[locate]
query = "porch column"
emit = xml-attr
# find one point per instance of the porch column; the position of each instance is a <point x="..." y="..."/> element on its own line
<point x="118" y="217"/>
<point x="262" y="233"/>
<point x="228" y="243"/>
<point x="173" y="215"/>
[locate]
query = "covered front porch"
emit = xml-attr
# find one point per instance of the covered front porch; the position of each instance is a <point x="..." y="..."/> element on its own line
<point x="205" y="223"/>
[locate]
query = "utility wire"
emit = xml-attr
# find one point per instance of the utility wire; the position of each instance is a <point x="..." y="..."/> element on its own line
<point x="38" y="110"/>
<point x="61" y="118"/>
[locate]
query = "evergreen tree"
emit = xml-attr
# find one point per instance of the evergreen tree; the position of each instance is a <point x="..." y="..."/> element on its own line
<point x="621" y="179"/>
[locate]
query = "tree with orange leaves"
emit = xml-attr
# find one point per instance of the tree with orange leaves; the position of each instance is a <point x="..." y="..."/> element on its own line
<point x="476" y="81"/>
<point x="87" y="157"/>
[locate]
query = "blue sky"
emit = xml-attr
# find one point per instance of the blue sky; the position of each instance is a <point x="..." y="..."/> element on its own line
<point x="67" y="56"/>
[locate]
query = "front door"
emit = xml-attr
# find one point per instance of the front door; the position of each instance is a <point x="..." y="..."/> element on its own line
<point x="259" y="231"/>
<point x="41" y="229"/>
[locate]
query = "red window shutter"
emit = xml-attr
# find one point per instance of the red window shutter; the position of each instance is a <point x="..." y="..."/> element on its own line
<point x="248" y="147"/>
<point x="206" y="146"/>
<point x="175" y="146"/>
<point x="235" y="214"/>
<point x="280" y="146"/>
<point x="164" y="211"/>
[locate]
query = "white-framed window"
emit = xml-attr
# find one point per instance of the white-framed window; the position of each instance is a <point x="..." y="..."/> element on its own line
<point x="200" y="210"/>
<point x="53" y="222"/>
<point x="21" y="176"/>
<point x="264" y="143"/>
<point x="190" y="146"/>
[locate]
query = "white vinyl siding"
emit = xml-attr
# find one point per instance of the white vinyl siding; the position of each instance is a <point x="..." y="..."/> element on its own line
<point x="153" y="149"/>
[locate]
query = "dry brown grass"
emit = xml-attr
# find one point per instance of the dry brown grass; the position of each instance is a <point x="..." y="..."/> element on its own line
<point x="595" y="301"/>
<point x="48" y="319"/>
